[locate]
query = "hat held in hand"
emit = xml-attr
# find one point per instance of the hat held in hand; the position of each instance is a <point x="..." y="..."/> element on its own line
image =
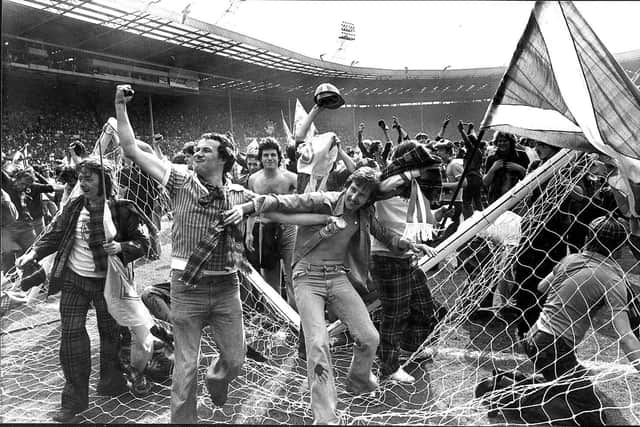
<point x="32" y="275"/>
<point x="328" y="96"/>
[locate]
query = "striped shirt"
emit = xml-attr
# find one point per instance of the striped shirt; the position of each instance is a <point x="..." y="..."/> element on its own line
<point x="191" y="221"/>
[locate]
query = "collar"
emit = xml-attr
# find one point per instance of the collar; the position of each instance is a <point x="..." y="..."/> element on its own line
<point x="339" y="209"/>
<point x="225" y="182"/>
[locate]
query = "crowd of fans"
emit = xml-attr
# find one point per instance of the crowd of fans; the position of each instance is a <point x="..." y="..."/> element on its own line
<point x="458" y="173"/>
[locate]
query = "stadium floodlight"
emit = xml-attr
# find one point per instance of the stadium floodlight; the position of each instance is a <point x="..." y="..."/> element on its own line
<point x="347" y="31"/>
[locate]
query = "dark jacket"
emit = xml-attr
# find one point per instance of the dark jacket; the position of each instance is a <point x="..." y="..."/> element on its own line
<point x="60" y="236"/>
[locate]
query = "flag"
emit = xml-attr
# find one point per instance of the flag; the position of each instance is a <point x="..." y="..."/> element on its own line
<point x="299" y="117"/>
<point x="563" y="87"/>
<point x="419" y="226"/>
<point x="290" y="138"/>
<point x="317" y="158"/>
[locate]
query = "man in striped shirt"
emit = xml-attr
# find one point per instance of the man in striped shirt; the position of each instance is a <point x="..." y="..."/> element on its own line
<point x="205" y="257"/>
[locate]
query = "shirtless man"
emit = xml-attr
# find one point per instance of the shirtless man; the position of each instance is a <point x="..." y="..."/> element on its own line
<point x="275" y="241"/>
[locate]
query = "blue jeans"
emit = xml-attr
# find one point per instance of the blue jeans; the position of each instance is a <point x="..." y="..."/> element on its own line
<point x="214" y="301"/>
<point x="314" y="287"/>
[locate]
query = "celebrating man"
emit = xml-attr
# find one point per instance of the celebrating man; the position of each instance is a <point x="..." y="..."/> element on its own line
<point x="329" y="262"/>
<point x="205" y="257"/>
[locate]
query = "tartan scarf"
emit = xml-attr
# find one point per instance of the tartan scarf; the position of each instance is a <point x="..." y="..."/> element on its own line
<point x="205" y="249"/>
<point x="213" y="193"/>
<point x="96" y="233"/>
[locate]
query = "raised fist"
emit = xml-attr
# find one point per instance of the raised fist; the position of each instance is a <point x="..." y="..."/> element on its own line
<point x="383" y="125"/>
<point x="395" y="123"/>
<point x="124" y="94"/>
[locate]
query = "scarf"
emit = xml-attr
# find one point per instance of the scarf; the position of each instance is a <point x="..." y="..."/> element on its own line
<point x="213" y="193"/>
<point x="206" y="247"/>
<point x="96" y="233"/>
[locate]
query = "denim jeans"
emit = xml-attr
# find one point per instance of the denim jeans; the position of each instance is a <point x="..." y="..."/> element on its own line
<point x="314" y="287"/>
<point x="272" y="275"/>
<point x="214" y="301"/>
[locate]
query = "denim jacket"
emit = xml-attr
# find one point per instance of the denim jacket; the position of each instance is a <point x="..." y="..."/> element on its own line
<point x="332" y="203"/>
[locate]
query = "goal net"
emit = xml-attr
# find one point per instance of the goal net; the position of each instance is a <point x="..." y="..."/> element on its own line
<point x="473" y="278"/>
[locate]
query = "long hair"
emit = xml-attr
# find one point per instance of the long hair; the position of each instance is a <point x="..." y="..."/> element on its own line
<point x="510" y="154"/>
<point x="92" y="165"/>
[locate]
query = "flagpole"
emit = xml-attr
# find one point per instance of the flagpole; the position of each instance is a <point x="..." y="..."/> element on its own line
<point x="465" y="172"/>
<point x="471" y="226"/>
<point x="102" y="178"/>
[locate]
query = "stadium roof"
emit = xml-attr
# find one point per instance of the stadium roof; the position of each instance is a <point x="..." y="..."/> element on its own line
<point x="225" y="60"/>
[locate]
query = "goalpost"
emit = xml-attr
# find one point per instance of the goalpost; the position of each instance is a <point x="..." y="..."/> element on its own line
<point x="463" y="349"/>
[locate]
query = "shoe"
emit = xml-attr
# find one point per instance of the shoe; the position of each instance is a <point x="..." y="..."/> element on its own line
<point x="111" y="390"/>
<point x="402" y="376"/>
<point x="66" y="416"/>
<point x="254" y="354"/>
<point x="140" y="386"/>
<point x="159" y="369"/>
<point x="485" y="386"/>
<point x="219" y="398"/>
<point x="163" y="335"/>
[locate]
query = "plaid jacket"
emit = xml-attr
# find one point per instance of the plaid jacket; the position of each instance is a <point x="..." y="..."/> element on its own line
<point x="60" y="236"/>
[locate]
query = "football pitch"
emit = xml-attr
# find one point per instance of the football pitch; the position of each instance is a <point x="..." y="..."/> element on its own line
<point x="276" y="391"/>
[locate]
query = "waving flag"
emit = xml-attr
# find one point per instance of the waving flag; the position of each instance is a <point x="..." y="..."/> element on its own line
<point x="300" y="115"/>
<point x="564" y="87"/>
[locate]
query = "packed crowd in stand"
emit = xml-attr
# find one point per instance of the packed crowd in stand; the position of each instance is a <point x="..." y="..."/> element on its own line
<point x="321" y="218"/>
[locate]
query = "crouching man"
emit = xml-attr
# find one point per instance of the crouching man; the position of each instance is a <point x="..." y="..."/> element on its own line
<point x="580" y="288"/>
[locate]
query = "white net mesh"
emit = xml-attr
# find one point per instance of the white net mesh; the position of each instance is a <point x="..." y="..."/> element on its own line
<point x="466" y="346"/>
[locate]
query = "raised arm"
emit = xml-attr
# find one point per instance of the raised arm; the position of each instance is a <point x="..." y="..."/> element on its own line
<point x="361" y="146"/>
<point x="303" y="128"/>
<point x="348" y="161"/>
<point x="443" y="128"/>
<point x="402" y="134"/>
<point x="148" y="162"/>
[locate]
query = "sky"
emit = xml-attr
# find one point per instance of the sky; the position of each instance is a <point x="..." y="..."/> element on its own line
<point x="399" y="34"/>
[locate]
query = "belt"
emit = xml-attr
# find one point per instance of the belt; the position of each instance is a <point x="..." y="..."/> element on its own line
<point x="324" y="267"/>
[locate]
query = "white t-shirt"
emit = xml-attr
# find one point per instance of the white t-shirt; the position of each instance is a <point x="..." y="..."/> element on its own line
<point x="454" y="171"/>
<point x="81" y="257"/>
